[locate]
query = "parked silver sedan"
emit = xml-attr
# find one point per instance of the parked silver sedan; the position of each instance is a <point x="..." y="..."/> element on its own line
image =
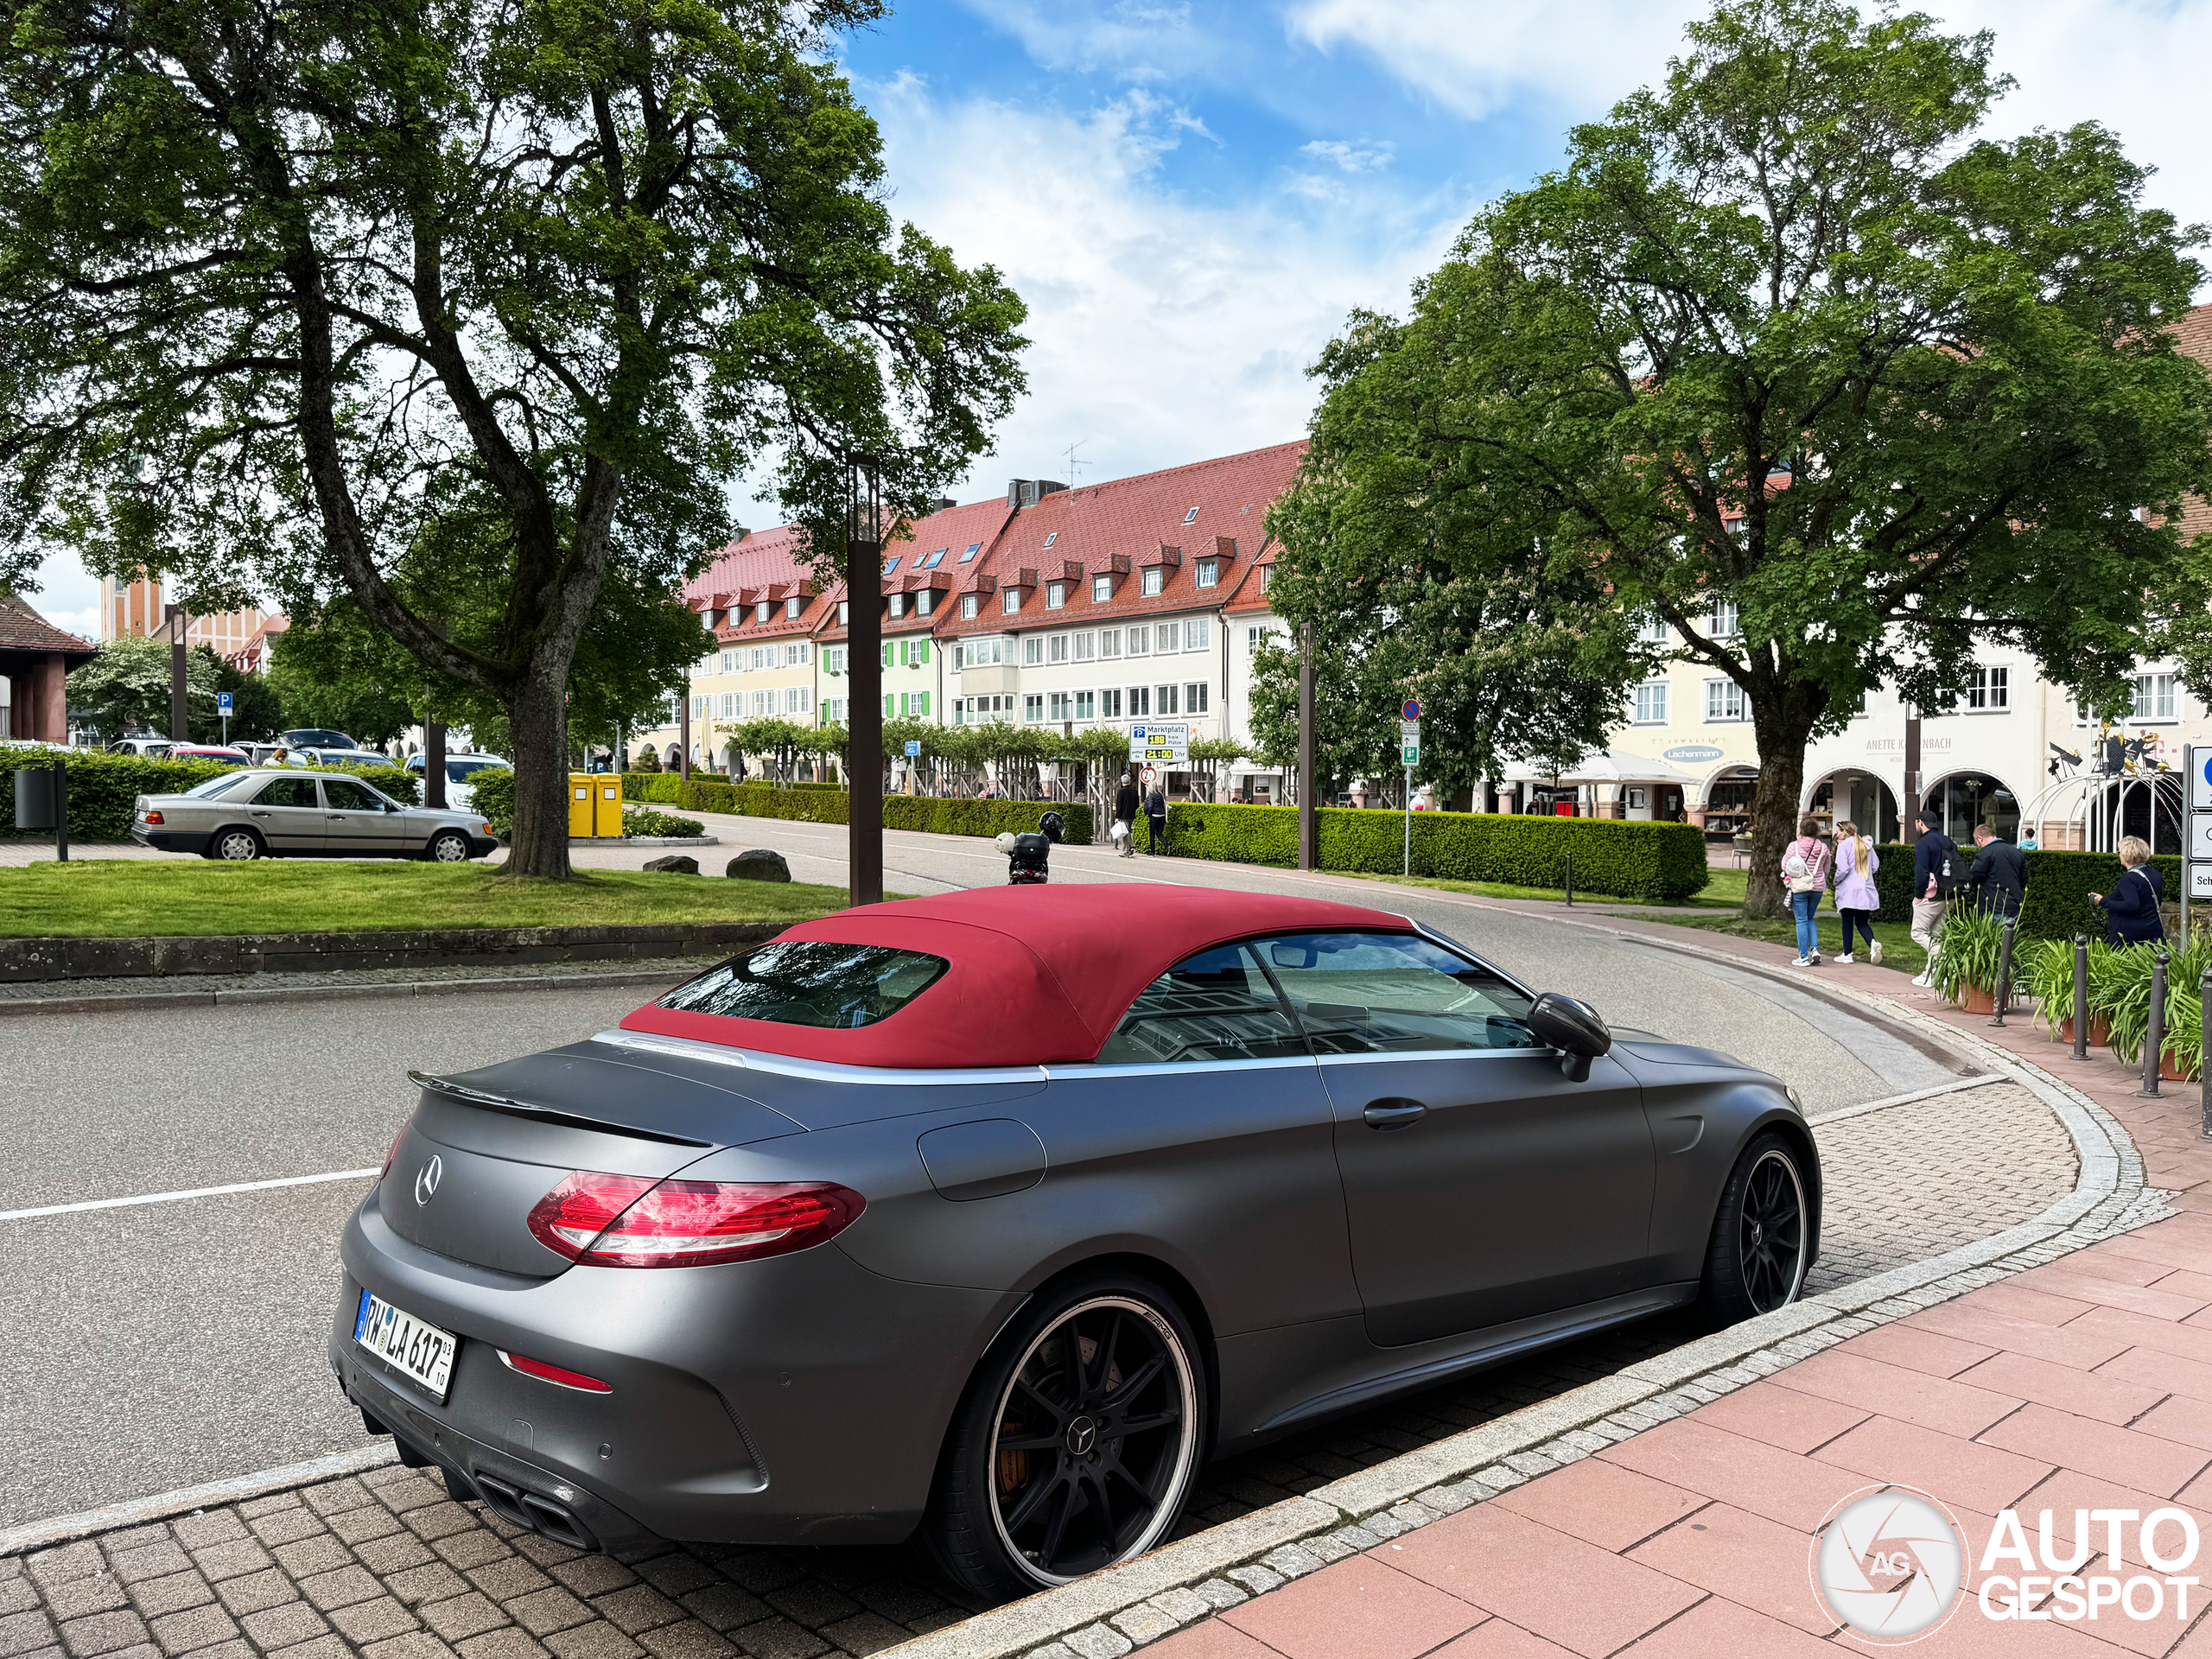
<point x="291" y="814"/>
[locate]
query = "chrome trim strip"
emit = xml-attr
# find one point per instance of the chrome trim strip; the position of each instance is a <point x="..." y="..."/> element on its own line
<point x="1071" y="1070"/>
<point x="753" y="1059"/>
<point x="1435" y="1054"/>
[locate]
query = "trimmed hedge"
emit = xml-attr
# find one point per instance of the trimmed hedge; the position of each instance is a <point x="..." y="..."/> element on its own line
<point x="102" y="786"/>
<point x="827" y="805"/>
<point x="397" y="782"/>
<point x="491" y="791"/>
<point x="2059" y="884"/>
<point x="1660" y="862"/>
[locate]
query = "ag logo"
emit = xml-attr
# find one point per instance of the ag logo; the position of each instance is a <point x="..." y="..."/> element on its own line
<point x="427" y="1179"/>
<point x="1889" y="1563"/>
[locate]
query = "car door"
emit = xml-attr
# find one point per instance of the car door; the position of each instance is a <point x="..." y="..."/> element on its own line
<point x="1481" y="1185"/>
<point x="357" y="819"/>
<point x="288" y="814"/>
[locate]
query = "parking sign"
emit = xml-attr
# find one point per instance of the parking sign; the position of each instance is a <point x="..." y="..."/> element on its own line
<point x="222" y="702"/>
<point x="913" y="747"/>
<point x="1162" y="743"/>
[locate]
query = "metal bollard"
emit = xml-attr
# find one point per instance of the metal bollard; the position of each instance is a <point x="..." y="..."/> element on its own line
<point x="2154" y="1038"/>
<point x="2204" y="1052"/>
<point x="2003" y="997"/>
<point x="2081" y="996"/>
<point x="1570" y="878"/>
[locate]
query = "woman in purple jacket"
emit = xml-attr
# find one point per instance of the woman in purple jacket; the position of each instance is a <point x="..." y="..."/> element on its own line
<point x="1856" y="901"/>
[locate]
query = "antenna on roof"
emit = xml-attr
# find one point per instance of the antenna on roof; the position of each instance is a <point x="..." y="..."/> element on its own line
<point x="1073" y="464"/>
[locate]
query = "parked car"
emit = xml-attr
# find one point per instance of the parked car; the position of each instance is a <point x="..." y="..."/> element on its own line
<point x="459" y="769"/>
<point x="346" y="758"/>
<point x="993" y="1215"/>
<point x="315" y="737"/>
<point x="222" y="752"/>
<point x="153" y="747"/>
<point x="284" y="813"/>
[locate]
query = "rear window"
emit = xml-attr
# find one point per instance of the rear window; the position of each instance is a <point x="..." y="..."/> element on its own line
<point x="215" y="786"/>
<point x="810" y="983"/>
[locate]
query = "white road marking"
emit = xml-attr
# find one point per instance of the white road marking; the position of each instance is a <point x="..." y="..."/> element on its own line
<point x="190" y="1193"/>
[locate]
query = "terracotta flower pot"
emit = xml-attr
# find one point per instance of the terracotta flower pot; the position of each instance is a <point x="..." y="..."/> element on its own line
<point x="2100" y="1030"/>
<point x="1977" y="1000"/>
<point x="2171" y="1072"/>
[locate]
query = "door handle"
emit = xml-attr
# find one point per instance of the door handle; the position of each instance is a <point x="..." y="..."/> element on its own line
<point x="1392" y="1113"/>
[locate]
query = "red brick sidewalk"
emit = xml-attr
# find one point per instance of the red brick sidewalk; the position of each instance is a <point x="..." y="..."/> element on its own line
<point x="2084" y="1384"/>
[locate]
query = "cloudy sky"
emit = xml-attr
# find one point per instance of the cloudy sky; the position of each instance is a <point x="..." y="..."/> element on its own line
<point x="1191" y="196"/>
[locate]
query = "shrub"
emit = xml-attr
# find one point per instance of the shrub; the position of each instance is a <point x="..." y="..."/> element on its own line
<point x="2059" y="884"/>
<point x="396" y="781"/>
<point x="102" y="786"/>
<point x="1971" y="940"/>
<point x="644" y="821"/>
<point x="1660" y="862"/>
<point x="493" y="794"/>
<point x="825" y="804"/>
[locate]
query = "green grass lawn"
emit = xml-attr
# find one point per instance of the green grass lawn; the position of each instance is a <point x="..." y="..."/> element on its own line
<point x="1724" y="891"/>
<point x="97" y="898"/>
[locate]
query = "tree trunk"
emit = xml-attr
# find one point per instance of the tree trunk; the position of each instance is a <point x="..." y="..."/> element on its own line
<point x="538" y="714"/>
<point x="1774" y="813"/>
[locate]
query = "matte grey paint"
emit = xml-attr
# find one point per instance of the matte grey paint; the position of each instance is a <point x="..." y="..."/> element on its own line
<point x="1325" y="1262"/>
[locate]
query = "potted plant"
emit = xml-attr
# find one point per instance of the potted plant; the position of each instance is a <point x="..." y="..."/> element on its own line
<point x="1966" y="957"/>
<point x="2124" y="998"/>
<point x="2043" y="969"/>
<point x="2181" y="1057"/>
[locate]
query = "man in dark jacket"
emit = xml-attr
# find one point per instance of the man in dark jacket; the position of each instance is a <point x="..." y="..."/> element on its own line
<point x="1999" y="873"/>
<point x="1155" y="810"/>
<point x="1125" y="812"/>
<point x="1934" y="854"/>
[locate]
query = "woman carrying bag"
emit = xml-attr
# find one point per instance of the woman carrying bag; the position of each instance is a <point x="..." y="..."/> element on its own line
<point x="1805" y="868"/>
<point x="1856" y="899"/>
<point x="2131" y="907"/>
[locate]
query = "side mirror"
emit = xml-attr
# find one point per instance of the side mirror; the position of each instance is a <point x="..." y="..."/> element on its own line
<point x="1572" y="1026"/>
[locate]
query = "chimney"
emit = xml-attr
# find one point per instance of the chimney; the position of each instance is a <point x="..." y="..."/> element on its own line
<point x="1028" y="492"/>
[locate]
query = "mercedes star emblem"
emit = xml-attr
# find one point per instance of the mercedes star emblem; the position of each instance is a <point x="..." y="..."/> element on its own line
<point x="427" y="1178"/>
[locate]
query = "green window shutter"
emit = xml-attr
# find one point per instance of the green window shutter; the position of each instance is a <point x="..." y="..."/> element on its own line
<point x="923" y="698"/>
<point x="886" y="653"/>
<point x="889" y="700"/>
<point x="922" y="653"/>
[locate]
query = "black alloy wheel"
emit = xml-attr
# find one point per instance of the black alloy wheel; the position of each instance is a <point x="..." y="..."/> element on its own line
<point x="1077" y="1448"/>
<point x="1760" y="1248"/>
<point x="448" y="846"/>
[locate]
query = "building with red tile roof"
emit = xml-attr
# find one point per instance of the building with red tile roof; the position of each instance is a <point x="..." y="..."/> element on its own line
<point x="35" y="658"/>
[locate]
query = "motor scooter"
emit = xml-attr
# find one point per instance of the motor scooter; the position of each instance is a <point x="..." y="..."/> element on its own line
<point x="1029" y="853"/>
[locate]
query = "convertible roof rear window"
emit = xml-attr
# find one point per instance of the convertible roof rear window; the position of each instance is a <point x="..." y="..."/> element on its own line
<point x="810" y="983"/>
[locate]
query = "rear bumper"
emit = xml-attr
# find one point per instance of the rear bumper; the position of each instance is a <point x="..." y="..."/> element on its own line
<point x="482" y="846"/>
<point x="169" y="841"/>
<point x="799" y="1400"/>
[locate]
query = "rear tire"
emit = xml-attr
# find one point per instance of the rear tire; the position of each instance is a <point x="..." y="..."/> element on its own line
<point x="1762" y="1234"/>
<point x="448" y="846"/>
<point x="1076" y="1443"/>
<point x="237" y="845"/>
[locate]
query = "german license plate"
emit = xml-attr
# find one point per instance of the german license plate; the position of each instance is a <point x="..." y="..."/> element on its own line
<point x="419" y="1350"/>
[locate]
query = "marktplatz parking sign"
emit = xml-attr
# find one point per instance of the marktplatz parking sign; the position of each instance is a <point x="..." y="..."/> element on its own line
<point x="1167" y="744"/>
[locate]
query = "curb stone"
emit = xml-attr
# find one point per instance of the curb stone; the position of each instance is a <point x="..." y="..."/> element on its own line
<point x="1092" y="1616"/>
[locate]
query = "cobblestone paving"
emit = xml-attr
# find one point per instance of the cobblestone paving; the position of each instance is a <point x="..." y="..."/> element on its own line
<point x="389" y="1567"/>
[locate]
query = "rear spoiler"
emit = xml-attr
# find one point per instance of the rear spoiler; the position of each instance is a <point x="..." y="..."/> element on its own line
<point x="490" y="1102"/>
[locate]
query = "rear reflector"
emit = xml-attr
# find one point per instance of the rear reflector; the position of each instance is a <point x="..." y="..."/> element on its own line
<point x="554" y="1374"/>
<point x="629" y="1221"/>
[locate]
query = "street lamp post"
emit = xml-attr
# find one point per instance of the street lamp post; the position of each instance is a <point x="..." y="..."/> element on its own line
<point x="864" y="672"/>
<point x="1307" y="850"/>
<point x="179" y="706"/>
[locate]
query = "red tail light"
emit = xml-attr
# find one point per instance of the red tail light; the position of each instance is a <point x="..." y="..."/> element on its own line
<point x="154" y="816"/>
<point x="628" y="1220"/>
<point x="556" y="1375"/>
<point x="391" y="1152"/>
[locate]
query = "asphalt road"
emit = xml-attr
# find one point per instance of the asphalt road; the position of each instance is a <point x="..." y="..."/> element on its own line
<point x="160" y="1345"/>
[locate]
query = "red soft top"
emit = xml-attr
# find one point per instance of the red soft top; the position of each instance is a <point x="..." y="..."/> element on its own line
<point x="1038" y="974"/>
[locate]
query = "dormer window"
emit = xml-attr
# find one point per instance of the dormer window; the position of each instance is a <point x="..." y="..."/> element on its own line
<point x="1010" y="600"/>
<point x="792" y="606"/>
<point x="921" y="603"/>
<point x="760" y="612"/>
<point x="898" y="605"/>
<point x="844" y="610"/>
<point x="967" y="606"/>
<point x="1191" y="517"/>
<point x="1155" y="579"/>
<point x="1102" y="589"/>
<point x="1056" y="595"/>
<point x="1209" y="572"/>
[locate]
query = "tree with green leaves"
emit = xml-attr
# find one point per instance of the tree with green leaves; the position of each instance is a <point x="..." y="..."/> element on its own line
<point x="1790" y="356"/>
<point x="126" y="688"/>
<point x="329" y="297"/>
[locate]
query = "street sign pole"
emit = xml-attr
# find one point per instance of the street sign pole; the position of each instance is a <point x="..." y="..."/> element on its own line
<point x="1308" y="847"/>
<point x="223" y="712"/>
<point x="1409" y="749"/>
<point x="2197" y="847"/>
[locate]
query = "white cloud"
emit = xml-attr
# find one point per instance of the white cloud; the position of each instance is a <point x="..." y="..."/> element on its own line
<point x="2133" y="65"/>
<point x="1163" y="330"/>
<point x="1352" y="158"/>
<point x="1140" y="40"/>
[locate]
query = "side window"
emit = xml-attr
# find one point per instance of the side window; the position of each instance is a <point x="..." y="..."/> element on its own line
<point x="1215" y="1006"/>
<point x="287" y="792"/>
<point x="348" y="794"/>
<point x="1393" y="994"/>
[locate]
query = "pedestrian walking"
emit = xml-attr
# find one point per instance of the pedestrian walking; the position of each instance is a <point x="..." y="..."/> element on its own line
<point x="1856" y="900"/>
<point x="1936" y="871"/>
<point x="1124" y="833"/>
<point x="2000" y="874"/>
<point x="2131" y="907"/>
<point x="1805" y="868"/>
<point x="1155" y="812"/>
